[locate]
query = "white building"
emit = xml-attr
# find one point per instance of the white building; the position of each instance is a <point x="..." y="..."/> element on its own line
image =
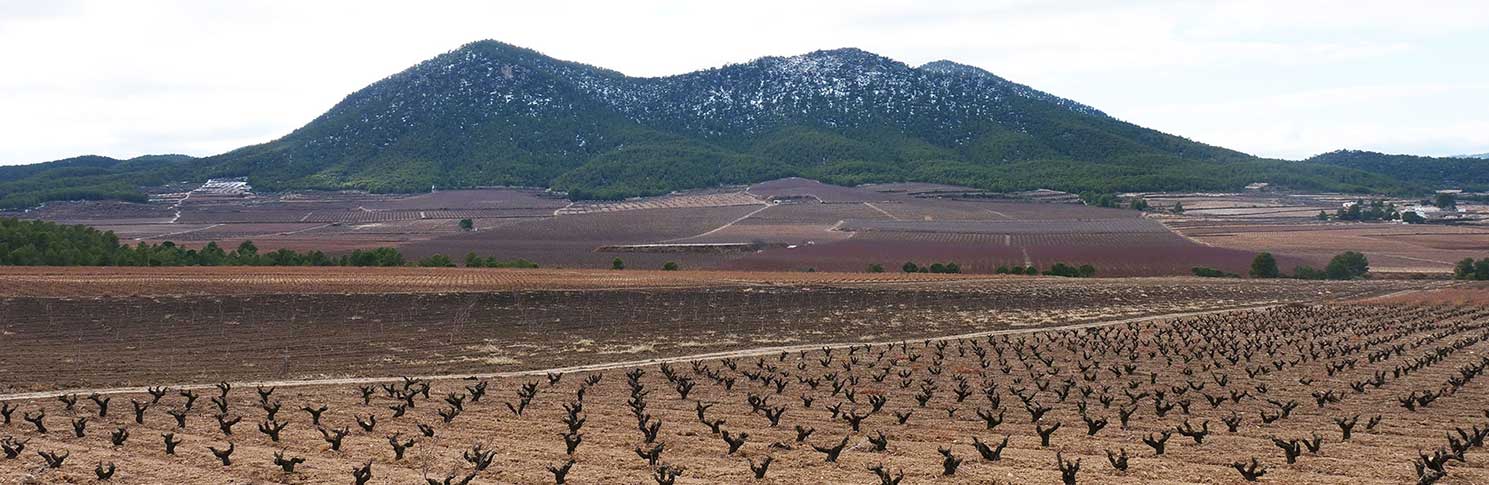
<point x="1432" y="213"/>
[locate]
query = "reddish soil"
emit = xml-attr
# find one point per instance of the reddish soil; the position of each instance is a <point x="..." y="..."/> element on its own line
<point x="134" y="326"/>
<point x="1114" y="370"/>
<point x="796" y="187"/>
<point x="1113" y="254"/>
<point x="86" y="282"/>
<point x="571" y="240"/>
<point x="833" y="228"/>
<point x="1391" y="247"/>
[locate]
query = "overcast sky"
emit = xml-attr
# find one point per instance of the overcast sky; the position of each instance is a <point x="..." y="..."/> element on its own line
<point x="1287" y="78"/>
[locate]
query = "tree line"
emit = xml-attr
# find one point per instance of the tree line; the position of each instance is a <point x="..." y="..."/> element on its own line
<point x="42" y="243"/>
<point x="1348" y="265"/>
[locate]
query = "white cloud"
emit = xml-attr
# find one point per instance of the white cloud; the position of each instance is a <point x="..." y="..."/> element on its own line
<point x="1276" y="78"/>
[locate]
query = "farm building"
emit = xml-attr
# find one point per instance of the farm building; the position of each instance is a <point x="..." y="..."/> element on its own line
<point x="1433" y="213"/>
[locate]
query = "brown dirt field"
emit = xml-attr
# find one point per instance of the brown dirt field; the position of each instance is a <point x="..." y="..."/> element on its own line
<point x="570" y="240"/>
<point x="974" y="210"/>
<point x="800" y="187"/>
<point x="1113" y="254"/>
<point x="473" y="199"/>
<point x="76" y="328"/>
<point x="84" y="282"/>
<point x="1475" y="293"/>
<point x="1191" y="355"/>
<point x="522" y="223"/>
<point x="1390" y="247"/>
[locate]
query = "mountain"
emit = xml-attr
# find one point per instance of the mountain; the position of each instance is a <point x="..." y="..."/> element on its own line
<point x="1481" y="156"/>
<point x="1430" y="172"/>
<point x="490" y="113"/>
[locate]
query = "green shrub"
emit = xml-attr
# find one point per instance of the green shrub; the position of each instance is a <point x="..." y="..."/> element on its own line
<point x="1264" y="266"/>
<point x="1204" y="272"/>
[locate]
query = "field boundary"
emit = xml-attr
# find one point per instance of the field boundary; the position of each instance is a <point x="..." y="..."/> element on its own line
<point x="750" y="352"/>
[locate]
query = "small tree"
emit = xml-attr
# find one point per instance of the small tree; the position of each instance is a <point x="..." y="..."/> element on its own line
<point x="474" y="261"/>
<point x="1086" y="271"/>
<point x="1322" y="216"/>
<point x="1464" y="270"/>
<point x="1139" y="204"/>
<point x="1002" y="269"/>
<point x="669" y="266"/>
<point x="1347" y="265"/>
<point x="952" y="267"/>
<point x="876" y="268"/>
<point x="1178" y="207"/>
<point x="246" y="248"/>
<point x="1307" y="273"/>
<point x="910" y="267"/>
<point x="1447" y="202"/>
<point x="1061" y="269"/>
<point x="1264" y="266"/>
<point x="1481" y="269"/>
<point x="938" y="268"/>
<point x="617" y="264"/>
<point x="467" y="224"/>
<point x="1411" y="217"/>
<point x="1205" y="272"/>
<point x="437" y="261"/>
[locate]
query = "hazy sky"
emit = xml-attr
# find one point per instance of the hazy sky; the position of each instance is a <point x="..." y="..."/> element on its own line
<point x="1287" y="78"/>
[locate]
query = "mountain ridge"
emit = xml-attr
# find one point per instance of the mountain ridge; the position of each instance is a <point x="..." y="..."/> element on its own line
<point x="490" y="113"/>
<point x="1431" y="172"/>
<point x="598" y="133"/>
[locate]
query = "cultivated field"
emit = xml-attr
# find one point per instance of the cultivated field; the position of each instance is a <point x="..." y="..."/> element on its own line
<point x="81" y="327"/>
<point x="1392" y="248"/>
<point x="788" y="225"/>
<point x="725" y="370"/>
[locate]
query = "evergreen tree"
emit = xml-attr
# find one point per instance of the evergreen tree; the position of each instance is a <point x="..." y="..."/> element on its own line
<point x="1447" y="202"/>
<point x="437" y="260"/>
<point x="1264" y="266"/>
<point x="474" y="261"/>
<point x="1347" y="265"/>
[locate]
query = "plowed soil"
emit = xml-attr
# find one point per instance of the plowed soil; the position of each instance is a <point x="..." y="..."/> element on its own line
<point x="1266" y="358"/>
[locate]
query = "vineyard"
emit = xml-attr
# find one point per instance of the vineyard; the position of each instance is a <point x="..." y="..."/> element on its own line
<point x="142" y="326"/>
<point x="86" y="282"/>
<point x="1298" y="393"/>
<point x="791" y="224"/>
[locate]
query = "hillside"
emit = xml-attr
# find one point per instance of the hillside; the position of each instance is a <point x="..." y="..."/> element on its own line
<point x="490" y="113"/>
<point x="1431" y="172"/>
<point x="1484" y="156"/>
<point x="88" y="177"/>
